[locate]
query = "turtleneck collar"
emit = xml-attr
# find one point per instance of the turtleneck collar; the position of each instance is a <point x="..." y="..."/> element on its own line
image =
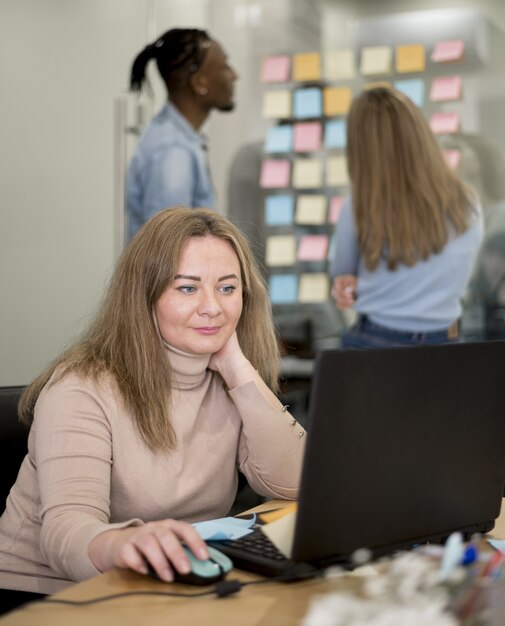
<point x="189" y="370"/>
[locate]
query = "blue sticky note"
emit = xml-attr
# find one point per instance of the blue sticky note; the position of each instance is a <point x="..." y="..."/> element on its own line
<point x="413" y="89"/>
<point x="279" y="210"/>
<point x="335" y="134"/>
<point x="308" y="103"/>
<point x="279" y="139"/>
<point x="283" y="288"/>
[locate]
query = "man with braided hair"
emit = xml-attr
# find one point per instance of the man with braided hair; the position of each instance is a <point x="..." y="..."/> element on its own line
<point x="169" y="166"/>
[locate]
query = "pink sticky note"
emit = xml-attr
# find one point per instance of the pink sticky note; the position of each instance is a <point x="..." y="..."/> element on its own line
<point x="307" y="136"/>
<point x="446" y="51"/>
<point x="452" y="158"/>
<point x="336" y="203"/>
<point x="313" y="248"/>
<point x="445" y="122"/>
<point x="446" y="88"/>
<point x="275" y="69"/>
<point x="275" y="173"/>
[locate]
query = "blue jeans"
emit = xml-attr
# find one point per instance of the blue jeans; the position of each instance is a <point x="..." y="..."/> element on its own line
<point x="366" y="334"/>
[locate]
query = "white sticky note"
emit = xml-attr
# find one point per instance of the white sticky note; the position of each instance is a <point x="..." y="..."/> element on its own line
<point x="280" y="250"/>
<point x="310" y="209"/>
<point x="307" y="173"/>
<point x="277" y="104"/>
<point x="336" y="171"/>
<point x="376" y="60"/>
<point x="313" y="287"/>
<point x="339" y="64"/>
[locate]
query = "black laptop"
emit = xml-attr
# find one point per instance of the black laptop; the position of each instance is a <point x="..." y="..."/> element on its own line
<point x="404" y="446"/>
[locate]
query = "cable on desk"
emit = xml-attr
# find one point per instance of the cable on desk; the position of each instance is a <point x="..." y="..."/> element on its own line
<point x="222" y="589"/>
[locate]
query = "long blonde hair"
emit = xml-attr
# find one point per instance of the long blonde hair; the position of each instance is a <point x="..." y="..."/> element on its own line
<point x="405" y="196"/>
<point x="124" y="341"/>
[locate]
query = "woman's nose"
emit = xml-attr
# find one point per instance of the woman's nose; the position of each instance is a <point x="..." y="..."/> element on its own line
<point x="209" y="305"/>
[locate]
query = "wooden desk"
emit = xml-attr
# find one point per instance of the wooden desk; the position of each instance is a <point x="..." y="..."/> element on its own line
<point x="275" y="604"/>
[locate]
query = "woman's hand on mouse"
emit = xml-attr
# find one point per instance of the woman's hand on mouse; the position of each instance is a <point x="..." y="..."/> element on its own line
<point x="157" y="543"/>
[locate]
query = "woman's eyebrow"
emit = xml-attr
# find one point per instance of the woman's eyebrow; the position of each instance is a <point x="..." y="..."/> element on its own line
<point x="187" y="277"/>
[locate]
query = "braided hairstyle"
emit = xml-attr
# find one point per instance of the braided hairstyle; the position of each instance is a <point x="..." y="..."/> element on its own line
<point x="179" y="53"/>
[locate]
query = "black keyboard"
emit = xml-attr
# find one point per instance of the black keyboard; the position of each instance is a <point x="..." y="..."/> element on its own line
<point x="256" y="553"/>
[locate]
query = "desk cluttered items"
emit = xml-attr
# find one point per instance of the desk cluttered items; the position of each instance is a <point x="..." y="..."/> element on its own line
<point x="404" y="447"/>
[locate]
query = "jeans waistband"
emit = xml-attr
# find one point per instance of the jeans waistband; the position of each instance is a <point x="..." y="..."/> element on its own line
<point x="452" y="332"/>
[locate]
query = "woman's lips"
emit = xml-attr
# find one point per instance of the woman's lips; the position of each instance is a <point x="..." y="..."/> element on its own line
<point x="208" y="330"/>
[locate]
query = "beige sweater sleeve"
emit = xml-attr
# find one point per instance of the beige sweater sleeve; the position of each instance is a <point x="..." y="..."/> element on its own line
<point x="74" y="457"/>
<point x="272" y="444"/>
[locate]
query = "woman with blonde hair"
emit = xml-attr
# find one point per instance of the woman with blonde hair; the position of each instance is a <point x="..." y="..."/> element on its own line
<point x="407" y="238"/>
<point x="143" y="425"/>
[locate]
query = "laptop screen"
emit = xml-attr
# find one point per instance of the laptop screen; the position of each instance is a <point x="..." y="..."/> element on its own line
<point x="404" y="445"/>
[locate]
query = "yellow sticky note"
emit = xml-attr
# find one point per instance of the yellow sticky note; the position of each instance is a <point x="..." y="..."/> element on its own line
<point x="313" y="287"/>
<point x="307" y="173"/>
<point x="336" y="171"/>
<point x="337" y="100"/>
<point x="411" y="58"/>
<point x="277" y="104"/>
<point x="377" y="83"/>
<point x="310" y="209"/>
<point x="307" y="66"/>
<point x="280" y="250"/>
<point x="339" y="64"/>
<point x="376" y="60"/>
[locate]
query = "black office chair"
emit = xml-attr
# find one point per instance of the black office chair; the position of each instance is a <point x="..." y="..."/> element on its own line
<point x="13" y="440"/>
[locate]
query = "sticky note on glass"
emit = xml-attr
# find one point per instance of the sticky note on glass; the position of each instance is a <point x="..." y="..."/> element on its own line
<point x="279" y="139"/>
<point x="277" y="104"/>
<point x="336" y="203"/>
<point x="339" y="64"/>
<point x="445" y="88"/>
<point x="452" y="158"/>
<point x="413" y="89"/>
<point x="308" y="103"/>
<point x="336" y="171"/>
<point x="376" y="60"/>
<point x="279" y="210"/>
<point x="275" y="69"/>
<point x="335" y="134"/>
<point x="449" y="51"/>
<point x="307" y="66"/>
<point x="313" y="287"/>
<point x="275" y="173"/>
<point x="307" y="136"/>
<point x="410" y="58"/>
<point x="283" y="288"/>
<point x="313" y="248"/>
<point x="445" y="122"/>
<point x="310" y="209"/>
<point x="337" y="100"/>
<point x="280" y="250"/>
<point x="307" y="173"/>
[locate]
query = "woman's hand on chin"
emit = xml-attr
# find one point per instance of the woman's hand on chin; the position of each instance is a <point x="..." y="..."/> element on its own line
<point x="230" y="362"/>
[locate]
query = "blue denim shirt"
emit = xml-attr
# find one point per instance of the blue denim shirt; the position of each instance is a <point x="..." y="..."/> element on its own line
<point x="169" y="167"/>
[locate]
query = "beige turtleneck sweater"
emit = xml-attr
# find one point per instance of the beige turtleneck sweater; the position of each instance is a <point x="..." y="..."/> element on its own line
<point x="87" y="469"/>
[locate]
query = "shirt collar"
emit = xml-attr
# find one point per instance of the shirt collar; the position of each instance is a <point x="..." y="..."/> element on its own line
<point x="182" y="123"/>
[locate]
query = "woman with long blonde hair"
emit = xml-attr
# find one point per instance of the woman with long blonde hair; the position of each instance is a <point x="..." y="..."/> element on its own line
<point x="408" y="236"/>
<point x="144" y="424"/>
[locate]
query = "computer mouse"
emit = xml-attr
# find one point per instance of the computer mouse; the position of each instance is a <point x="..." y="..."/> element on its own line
<point x="204" y="572"/>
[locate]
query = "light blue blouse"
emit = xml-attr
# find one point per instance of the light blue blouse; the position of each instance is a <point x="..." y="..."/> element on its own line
<point x="423" y="298"/>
